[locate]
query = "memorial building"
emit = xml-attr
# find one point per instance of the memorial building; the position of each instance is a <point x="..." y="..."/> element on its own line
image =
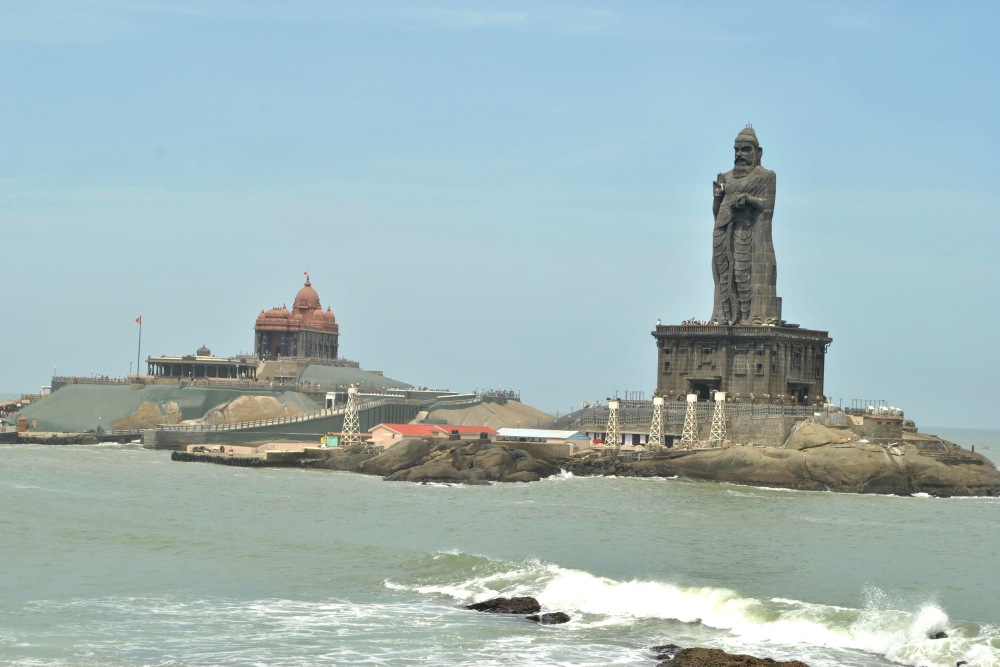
<point x="304" y="335"/>
<point x="304" y="331"/>
<point x="746" y="349"/>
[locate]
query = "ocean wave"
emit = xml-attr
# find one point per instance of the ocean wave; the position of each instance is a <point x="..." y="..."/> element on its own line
<point x="882" y="626"/>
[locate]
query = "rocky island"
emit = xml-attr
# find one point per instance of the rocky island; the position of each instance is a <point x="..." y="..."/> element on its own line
<point x="814" y="459"/>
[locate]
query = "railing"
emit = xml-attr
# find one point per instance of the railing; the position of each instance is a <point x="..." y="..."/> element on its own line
<point x="276" y="421"/>
<point x="639" y="414"/>
<point x="453" y="401"/>
<point x="740" y="329"/>
<point x="214" y="383"/>
<point x="93" y="379"/>
<point x="318" y="361"/>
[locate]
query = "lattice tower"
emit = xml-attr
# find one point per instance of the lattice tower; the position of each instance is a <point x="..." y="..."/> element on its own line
<point x="690" y="432"/>
<point x="352" y="425"/>
<point x="718" y="433"/>
<point x="614" y="436"/>
<point x="656" y="426"/>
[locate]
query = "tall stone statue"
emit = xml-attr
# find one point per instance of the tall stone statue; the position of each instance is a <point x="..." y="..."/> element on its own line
<point x="742" y="251"/>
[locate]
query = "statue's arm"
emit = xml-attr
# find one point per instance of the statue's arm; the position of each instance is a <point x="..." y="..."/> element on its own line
<point x="766" y="204"/>
<point x="718" y="192"/>
<point x="764" y="200"/>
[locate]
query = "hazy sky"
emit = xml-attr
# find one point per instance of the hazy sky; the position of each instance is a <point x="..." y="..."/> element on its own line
<point x="500" y="194"/>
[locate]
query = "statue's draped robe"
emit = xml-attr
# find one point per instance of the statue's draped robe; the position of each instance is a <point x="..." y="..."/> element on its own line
<point x="743" y="253"/>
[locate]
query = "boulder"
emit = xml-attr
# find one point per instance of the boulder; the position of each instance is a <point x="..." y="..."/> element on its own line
<point x="537" y="466"/>
<point x="712" y="657"/>
<point x="522" y="476"/>
<point x="552" y="618"/>
<point x="495" y="461"/>
<point x="403" y="455"/>
<point x="515" y="605"/>
<point x="476" y="476"/>
<point x="346" y="460"/>
<point x="811" y="434"/>
<point x="428" y="472"/>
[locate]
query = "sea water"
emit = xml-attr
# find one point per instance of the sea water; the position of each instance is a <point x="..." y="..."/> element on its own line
<point x="116" y="555"/>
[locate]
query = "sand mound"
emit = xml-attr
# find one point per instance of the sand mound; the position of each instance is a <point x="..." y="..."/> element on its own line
<point x="509" y="414"/>
<point x="249" y="408"/>
<point x="150" y="415"/>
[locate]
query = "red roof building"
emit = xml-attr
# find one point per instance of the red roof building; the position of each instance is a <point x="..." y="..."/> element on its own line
<point x="385" y="435"/>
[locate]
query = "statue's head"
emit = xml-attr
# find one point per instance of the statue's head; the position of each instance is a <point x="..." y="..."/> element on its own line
<point x="747" y="151"/>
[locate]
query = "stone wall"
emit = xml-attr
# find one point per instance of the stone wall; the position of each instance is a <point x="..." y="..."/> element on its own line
<point x="770" y="431"/>
<point x="877" y="428"/>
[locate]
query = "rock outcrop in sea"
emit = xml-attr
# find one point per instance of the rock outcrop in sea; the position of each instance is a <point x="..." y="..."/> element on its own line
<point x="902" y="468"/>
<point x="674" y="656"/>
<point x="806" y="463"/>
<point x="446" y="461"/>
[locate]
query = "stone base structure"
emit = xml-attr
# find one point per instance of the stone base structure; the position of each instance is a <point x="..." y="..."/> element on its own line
<point x="781" y="365"/>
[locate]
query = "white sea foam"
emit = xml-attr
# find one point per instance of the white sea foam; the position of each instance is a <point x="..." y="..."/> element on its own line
<point x="900" y="635"/>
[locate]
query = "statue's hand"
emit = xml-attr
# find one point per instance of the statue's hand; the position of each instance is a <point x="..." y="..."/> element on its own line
<point x="740" y="201"/>
<point x="718" y="189"/>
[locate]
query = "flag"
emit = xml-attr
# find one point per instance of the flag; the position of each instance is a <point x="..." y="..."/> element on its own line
<point x="138" y="320"/>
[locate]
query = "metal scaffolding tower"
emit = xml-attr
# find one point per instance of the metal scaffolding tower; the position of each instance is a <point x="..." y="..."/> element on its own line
<point x="352" y="428"/>
<point x="690" y="432"/>
<point x="614" y="436"/>
<point x="718" y="420"/>
<point x="656" y="426"/>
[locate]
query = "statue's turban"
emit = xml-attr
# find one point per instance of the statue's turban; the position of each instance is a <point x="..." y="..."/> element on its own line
<point x="747" y="134"/>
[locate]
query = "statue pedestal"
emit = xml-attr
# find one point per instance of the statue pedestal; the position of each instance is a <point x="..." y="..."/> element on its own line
<point x="750" y="363"/>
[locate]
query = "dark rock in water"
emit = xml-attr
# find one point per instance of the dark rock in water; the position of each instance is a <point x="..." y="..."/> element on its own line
<point x="666" y="651"/>
<point x="940" y="634"/>
<point x="711" y="657"/>
<point x="516" y="605"/>
<point x="436" y="460"/>
<point x="552" y="618"/>
<point x="346" y="461"/>
<point x="522" y="476"/>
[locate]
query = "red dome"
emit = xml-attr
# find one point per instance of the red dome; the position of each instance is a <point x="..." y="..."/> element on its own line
<point x="306" y="313"/>
<point x="307" y="298"/>
<point x="274" y="317"/>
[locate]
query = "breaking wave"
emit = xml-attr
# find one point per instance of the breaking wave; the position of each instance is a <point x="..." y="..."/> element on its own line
<point x="880" y="626"/>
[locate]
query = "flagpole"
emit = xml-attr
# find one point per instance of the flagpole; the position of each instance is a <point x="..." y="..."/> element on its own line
<point x="138" y="352"/>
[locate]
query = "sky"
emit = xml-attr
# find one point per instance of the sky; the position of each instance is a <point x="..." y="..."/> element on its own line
<point x="498" y="194"/>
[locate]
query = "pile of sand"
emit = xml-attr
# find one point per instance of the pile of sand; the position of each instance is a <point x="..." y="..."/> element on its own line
<point x="150" y="415"/>
<point x="249" y="408"/>
<point x="510" y="414"/>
